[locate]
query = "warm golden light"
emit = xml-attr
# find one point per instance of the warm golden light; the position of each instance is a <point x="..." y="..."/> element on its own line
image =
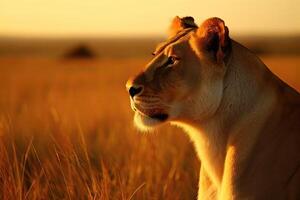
<point x="115" y="18"/>
<point x="69" y="123"/>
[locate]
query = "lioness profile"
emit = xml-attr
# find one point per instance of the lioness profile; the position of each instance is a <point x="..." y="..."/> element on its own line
<point x="243" y="120"/>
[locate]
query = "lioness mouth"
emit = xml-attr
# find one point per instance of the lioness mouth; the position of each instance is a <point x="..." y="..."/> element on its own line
<point x="154" y="115"/>
<point x="161" y="117"/>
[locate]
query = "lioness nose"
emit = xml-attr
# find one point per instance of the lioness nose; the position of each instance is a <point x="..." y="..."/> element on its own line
<point x="134" y="90"/>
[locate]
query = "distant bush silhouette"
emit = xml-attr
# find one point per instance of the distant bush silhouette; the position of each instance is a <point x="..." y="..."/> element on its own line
<point x="80" y="51"/>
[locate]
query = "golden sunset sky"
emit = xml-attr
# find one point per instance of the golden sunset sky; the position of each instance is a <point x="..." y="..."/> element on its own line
<point x="137" y="17"/>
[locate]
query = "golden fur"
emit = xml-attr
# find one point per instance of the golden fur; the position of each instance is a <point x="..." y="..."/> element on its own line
<point x="242" y="119"/>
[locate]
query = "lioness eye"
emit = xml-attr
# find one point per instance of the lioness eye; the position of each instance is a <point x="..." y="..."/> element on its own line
<point x="171" y="60"/>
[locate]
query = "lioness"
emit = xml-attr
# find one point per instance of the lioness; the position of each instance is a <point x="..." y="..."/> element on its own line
<point x="244" y="121"/>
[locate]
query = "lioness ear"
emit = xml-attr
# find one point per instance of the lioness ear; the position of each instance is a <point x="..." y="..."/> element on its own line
<point x="213" y="37"/>
<point x="179" y="24"/>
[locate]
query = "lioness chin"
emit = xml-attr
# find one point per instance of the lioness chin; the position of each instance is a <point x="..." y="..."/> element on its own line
<point x="243" y="120"/>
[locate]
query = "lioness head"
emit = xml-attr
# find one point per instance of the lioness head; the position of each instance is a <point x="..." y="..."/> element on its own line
<point x="185" y="76"/>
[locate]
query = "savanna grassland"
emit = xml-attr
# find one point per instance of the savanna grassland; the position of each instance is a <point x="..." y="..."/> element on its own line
<point x="66" y="132"/>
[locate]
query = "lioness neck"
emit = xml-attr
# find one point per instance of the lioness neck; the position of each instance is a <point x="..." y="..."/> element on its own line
<point x="248" y="99"/>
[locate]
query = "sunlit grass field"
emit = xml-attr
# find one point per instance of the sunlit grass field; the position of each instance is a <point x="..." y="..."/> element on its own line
<point x="67" y="133"/>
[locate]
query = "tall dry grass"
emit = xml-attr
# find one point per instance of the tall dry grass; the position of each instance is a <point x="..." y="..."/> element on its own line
<point x="66" y="132"/>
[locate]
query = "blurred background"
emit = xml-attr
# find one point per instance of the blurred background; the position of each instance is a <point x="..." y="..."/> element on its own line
<point x="66" y="128"/>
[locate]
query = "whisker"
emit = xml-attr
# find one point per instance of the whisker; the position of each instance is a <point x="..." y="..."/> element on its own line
<point x="146" y="101"/>
<point x="151" y="106"/>
<point x="149" y="96"/>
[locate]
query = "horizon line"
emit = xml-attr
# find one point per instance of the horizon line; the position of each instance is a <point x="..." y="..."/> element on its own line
<point x="134" y="36"/>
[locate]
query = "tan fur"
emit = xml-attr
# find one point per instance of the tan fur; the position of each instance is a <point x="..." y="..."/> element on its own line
<point x="242" y="119"/>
